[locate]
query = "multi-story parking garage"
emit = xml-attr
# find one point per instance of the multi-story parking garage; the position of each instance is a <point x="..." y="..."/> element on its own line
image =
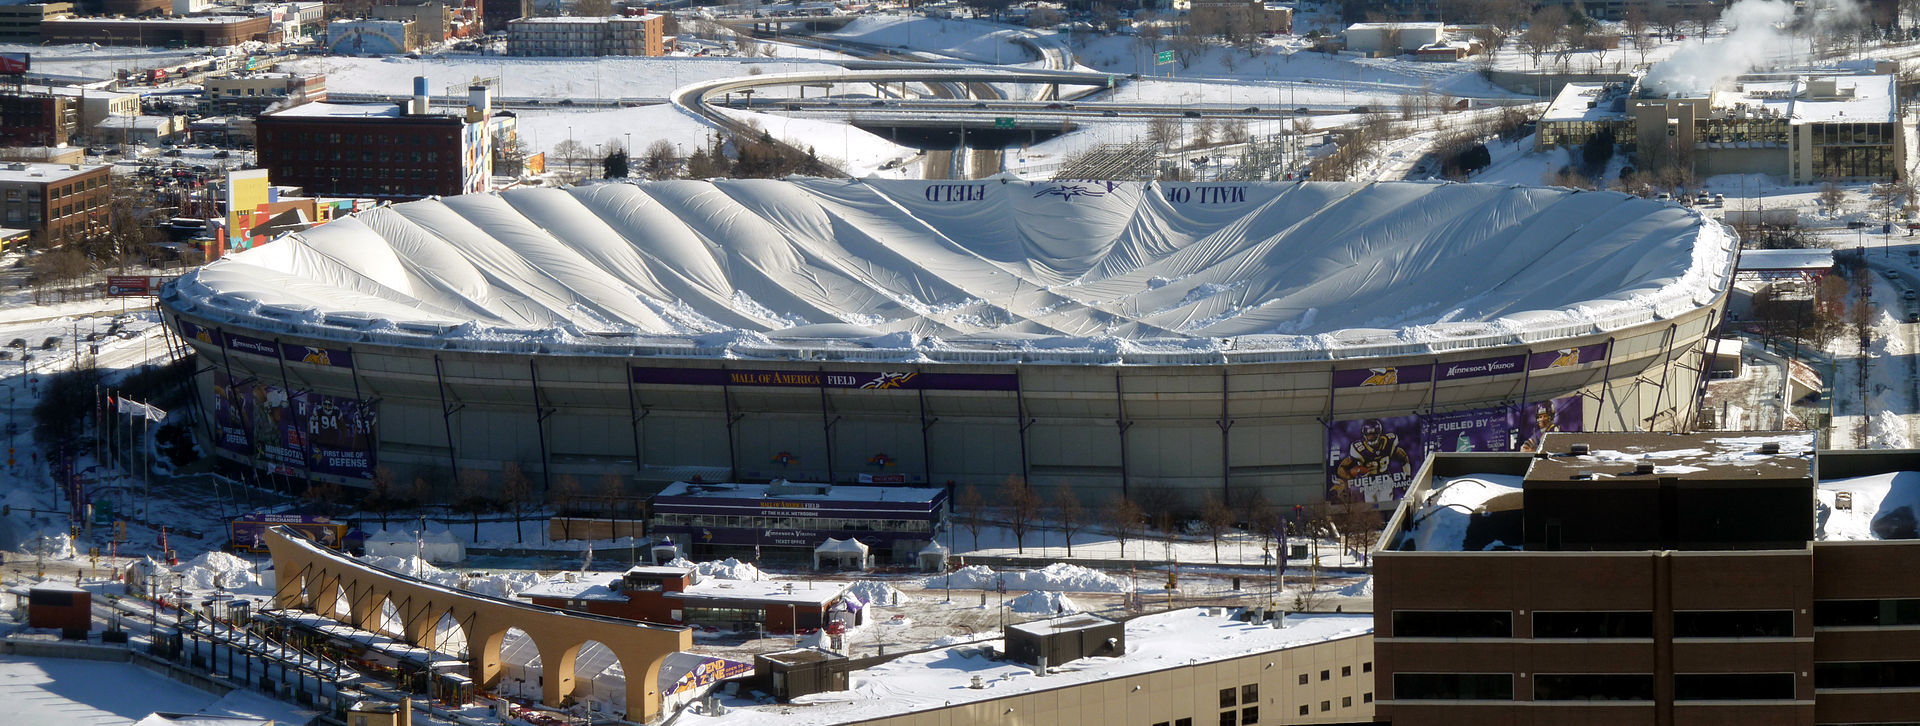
<point x="1152" y="339"/>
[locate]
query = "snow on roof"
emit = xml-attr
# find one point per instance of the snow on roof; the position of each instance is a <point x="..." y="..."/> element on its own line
<point x="1440" y="523"/>
<point x="1582" y="102"/>
<point x="1811" y="259"/>
<point x="337" y="110"/>
<point x="838" y="494"/>
<point x="850" y="545"/>
<point x="175" y="719"/>
<point x="1062" y="271"/>
<point x="578" y="588"/>
<point x="1397" y="26"/>
<point x="795" y="591"/>
<point x="1062" y="624"/>
<point x="940" y="678"/>
<point x="1852" y="99"/>
<point x="1675" y="455"/>
<point x="19" y="171"/>
<point x="1878" y="506"/>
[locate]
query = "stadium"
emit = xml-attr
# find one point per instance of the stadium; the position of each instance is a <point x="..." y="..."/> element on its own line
<point x="1169" y="341"/>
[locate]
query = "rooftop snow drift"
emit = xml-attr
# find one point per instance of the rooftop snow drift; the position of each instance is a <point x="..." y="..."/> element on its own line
<point x="882" y="269"/>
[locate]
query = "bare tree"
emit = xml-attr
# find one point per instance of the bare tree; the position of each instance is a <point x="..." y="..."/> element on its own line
<point x="1203" y="132"/>
<point x="516" y="489"/>
<point x="323" y="493"/>
<point x="1164" y="131"/>
<point x="1832" y="196"/>
<point x="1543" y="30"/>
<point x="1358" y="521"/>
<point x="1070" y="513"/>
<point x="1635" y="21"/>
<point x="1218" y="518"/>
<point x="1125" y="520"/>
<point x="561" y="497"/>
<point x="475" y="483"/>
<point x="973" y="512"/>
<point x="659" y="160"/>
<point x="381" y="498"/>
<point x="422" y="491"/>
<point x="1020" y="507"/>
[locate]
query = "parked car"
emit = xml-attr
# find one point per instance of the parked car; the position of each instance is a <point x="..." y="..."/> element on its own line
<point x="51" y="343"/>
<point x="20" y="343"/>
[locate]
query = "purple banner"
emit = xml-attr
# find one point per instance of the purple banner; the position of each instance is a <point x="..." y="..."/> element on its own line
<point x="1375" y="456"/>
<point x="191" y="331"/>
<point x="331" y="435"/>
<point x="249" y="530"/>
<point x="1536" y="420"/>
<point x="1483" y="367"/>
<point x="317" y="356"/>
<point x="1566" y="357"/>
<point x="901" y="380"/>
<point x="1383" y="376"/>
<point x="1481" y="429"/>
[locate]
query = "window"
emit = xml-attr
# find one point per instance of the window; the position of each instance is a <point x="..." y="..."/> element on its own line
<point x="1346" y="702"/>
<point x="1250" y="715"/>
<point x="1183" y="721"/>
<point x="1453" y="686"/>
<point x="1870" y="674"/>
<point x="1229" y="718"/>
<point x="1346" y="671"/>
<point x="1593" y="625"/>
<point x="1452" y="624"/>
<point x="1366" y="667"/>
<point x="1303" y="679"/>
<point x="1593" y="687"/>
<point x="1732" y="686"/>
<point x="1733" y="624"/>
<point x="1226" y="698"/>
<point x="1865" y="613"/>
<point x="1366" y="697"/>
<point x="1304" y="710"/>
<point x="1326" y="675"/>
<point x="1250" y="693"/>
<point x="1326" y="705"/>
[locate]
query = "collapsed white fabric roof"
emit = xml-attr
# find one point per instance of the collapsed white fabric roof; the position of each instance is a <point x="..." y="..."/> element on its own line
<point x="990" y="264"/>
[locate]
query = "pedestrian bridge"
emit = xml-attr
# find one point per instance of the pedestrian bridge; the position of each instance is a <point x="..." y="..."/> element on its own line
<point x="316" y="579"/>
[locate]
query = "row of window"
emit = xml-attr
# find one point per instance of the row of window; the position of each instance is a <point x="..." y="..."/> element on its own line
<point x="385" y="157"/>
<point x="338" y="138"/>
<point x="1593" y="686"/>
<point x="1607" y="624"/>
<point x="356" y="172"/>
<point x="812" y="523"/>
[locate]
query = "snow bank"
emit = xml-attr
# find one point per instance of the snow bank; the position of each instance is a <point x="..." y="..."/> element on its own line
<point x="1042" y="602"/>
<point x="877" y="593"/>
<point x="727" y="569"/>
<point x="1363" y="588"/>
<point x="438" y="547"/>
<point x="216" y="571"/>
<point x="1057" y="577"/>
<point x="1880" y="506"/>
<point x="54" y="547"/>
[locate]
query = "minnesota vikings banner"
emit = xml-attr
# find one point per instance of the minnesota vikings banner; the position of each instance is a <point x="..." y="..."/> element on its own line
<point x="327" y="434"/>
<point x="1567" y="357"/>
<point x="1375" y="456"/>
<point x="1382" y="376"/>
<point x="1535" y="420"/>
<point x="1481" y="429"/>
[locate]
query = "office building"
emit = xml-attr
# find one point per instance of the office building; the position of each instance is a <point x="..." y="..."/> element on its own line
<point x="58" y="203"/>
<point x="573" y="36"/>
<point x="383" y="151"/>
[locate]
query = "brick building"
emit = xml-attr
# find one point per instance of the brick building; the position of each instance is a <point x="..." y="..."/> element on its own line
<point x="381" y="151"/>
<point x="575" y="36"/>
<point x="251" y="93"/>
<point x="58" y="203"/>
<point x="197" y="31"/>
<point x="38" y="119"/>
<point x="21" y="23"/>
<point x="680" y="595"/>
<point x="1653" y="579"/>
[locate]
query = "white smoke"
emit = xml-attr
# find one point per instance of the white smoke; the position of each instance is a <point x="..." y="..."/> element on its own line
<point x="1756" y="36"/>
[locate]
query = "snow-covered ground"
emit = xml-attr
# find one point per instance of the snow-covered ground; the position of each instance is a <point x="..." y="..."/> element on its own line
<point x="551" y="79"/>
<point x="972" y="40"/>
<point x="96" y="693"/>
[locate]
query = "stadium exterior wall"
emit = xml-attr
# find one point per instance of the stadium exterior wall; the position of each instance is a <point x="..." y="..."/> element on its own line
<point x="1149" y="430"/>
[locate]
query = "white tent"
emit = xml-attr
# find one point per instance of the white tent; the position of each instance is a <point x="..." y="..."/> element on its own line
<point x="932" y="558"/>
<point x="841" y="554"/>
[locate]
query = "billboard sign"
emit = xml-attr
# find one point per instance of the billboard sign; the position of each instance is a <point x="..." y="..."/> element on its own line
<point x="1376" y="456"/>
<point x="1482" y="367"/>
<point x="326" y="434"/>
<point x="859" y="380"/>
<point x="13" y="64"/>
<point x="249" y="531"/>
<point x="1480" y="429"/>
<point x="134" y="285"/>
<point x="1567" y="357"/>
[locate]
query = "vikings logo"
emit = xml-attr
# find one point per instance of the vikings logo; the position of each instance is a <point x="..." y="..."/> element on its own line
<point x="889" y="381"/>
<point x="203" y="336"/>
<point x="1388" y="376"/>
<point x="317" y="356"/>
<point x="1566" y="357"/>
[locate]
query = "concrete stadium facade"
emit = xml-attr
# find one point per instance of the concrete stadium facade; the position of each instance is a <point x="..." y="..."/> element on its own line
<point x="1100" y="427"/>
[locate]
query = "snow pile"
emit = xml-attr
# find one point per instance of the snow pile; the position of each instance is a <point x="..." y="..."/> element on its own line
<point x="1042" y="602"/>
<point x="438" y="547"/>
<point x="1887" y="430"/>
<point x="1057" y="577"/>
<point x="1441" y="523"/>
<point x="1879" y="506"/>
<point x="499" y="584"/>
<point x="877" y="593"/>
<point x="53" y="547"/>
<point x="216" y="571"/>
<point x="1363" y="588"/>
<point x="414" y="567"/>
<point x="727" y="569"/>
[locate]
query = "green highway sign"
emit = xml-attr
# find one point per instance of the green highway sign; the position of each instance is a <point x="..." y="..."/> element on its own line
<point x="1166" y="56"/>
<point x="1003" y="123"/>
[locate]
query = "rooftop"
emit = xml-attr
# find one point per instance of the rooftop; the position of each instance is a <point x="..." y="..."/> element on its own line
<point x="26" y="171"/>
<point x="1808" y="259"/>
<point x="323" y="109"/>
<point x="801" y="492"/>
<point x="200" y="19"/>
<point x="1672" y="456"/>
<point x="1064" y="623"/>
<point x="1585" y="102"/>
<point x="941" y="678"/>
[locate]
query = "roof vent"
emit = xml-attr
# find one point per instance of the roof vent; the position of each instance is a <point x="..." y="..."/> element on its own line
<point x="1579" y="449"/>
<point x="1771" y="447"/>
<point x="1643" y="468"/>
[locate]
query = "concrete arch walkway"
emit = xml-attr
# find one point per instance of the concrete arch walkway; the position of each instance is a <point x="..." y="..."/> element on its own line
<point x="306" y="576"/>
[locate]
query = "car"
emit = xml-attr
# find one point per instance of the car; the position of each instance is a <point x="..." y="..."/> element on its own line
<point x="876" y="102"/>
<point x="566" y="102"/>
<point x="1360" y="109"/>
<point x="51" y="343"/>
<point x="1663" y="197"/>
<point x="1719" y="200"/>
<point x="221" y="154"/>
<point x="980" y="104"/>
<point x="1191" y="114"/>
<point x="1856" y="224"/>
<point x="793" y="107"/>
<point x="6" y="355"/>
<point x="18" y="343"/>
<point x="1910" y="294"/>
<point x="1302" y="111"/>
<point x="170" y="152"/>
<point x="1055" y="106"/>
<point x="1250" y="109"/>
<point x="1109" y="112"/>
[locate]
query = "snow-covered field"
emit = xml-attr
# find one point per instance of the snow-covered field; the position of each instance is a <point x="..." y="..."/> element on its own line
<point x="551" y="79"/>
<point x="973" y="40"/>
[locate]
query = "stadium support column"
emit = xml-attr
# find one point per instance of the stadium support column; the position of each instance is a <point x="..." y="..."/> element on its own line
<point x="1226" y="442"/>
<point x="306" y="458"/>
<point x="926" y="444"/>
<point x="1020" y="419"/>
<point x="726" y="406"/>
<point x="634" y="414"/>
<point x="1710" y="332"/>
<point x="540" y="414"/>
<point x="446" y="418"/>
<point x="1606" y="380"/>
<point x="827" y="420"/>
<point x="1666" y="367"/>
<point x="1121" y="423"/>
